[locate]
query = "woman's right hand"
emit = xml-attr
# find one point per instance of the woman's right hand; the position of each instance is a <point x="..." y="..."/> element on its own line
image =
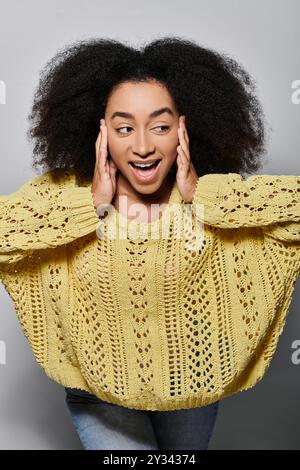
<point x="104" y="179"/>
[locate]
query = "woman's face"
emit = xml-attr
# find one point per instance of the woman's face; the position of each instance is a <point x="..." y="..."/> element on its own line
<point x="134" y="135"/>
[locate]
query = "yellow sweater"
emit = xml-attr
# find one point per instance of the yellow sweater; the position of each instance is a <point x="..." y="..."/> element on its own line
<point x="153" y="322"/>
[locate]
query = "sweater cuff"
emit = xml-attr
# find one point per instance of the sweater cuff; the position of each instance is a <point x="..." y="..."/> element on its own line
<point x="80" y="207"/>
<point x="207" y="192"/>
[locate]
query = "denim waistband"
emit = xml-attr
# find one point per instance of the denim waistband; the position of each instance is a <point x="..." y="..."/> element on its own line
<point x="76" y="395"/>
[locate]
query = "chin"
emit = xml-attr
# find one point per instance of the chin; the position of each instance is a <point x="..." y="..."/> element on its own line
<point x="147" y="188"/>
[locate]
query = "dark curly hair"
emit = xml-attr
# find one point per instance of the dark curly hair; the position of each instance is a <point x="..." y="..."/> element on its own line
<point x="224" y="118"/>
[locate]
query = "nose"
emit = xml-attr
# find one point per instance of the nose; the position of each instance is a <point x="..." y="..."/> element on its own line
<point x="142" y="144"/>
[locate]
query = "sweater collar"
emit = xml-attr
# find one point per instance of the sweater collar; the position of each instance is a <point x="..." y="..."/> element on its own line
<point x="115" y="221"/>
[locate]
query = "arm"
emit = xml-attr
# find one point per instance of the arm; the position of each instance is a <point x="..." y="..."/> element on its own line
<point x="42" y="214"/>
<point x="261" y="200"/>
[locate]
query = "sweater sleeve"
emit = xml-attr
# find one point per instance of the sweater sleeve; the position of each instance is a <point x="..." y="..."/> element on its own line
<point x="41" y="214"/>
<point x="268" y="201"/>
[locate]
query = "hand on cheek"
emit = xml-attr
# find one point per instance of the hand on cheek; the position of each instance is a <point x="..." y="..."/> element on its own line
<point x="186" y="176"/>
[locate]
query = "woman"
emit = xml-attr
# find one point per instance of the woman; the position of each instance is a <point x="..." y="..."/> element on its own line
<point x="148" y="329"/>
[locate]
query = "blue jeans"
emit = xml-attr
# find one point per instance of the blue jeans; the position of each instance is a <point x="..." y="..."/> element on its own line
<point x="102" y="425"/>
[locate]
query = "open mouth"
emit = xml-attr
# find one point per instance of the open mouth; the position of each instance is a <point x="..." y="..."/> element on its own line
<point x="146" y="173"/>
<point x="145" y="167"/>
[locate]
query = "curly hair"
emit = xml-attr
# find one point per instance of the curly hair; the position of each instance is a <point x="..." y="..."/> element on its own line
<point x="224" y="117"/>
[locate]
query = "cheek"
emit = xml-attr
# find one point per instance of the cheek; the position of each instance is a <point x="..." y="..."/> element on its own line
<point x="170" y="149"/>
<point x="116" y="151"/>
<point x="113" y="146"/>
<point x="171" y="143"/>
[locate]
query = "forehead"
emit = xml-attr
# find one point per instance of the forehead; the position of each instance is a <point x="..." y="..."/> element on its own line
<point x="139" y="98"/>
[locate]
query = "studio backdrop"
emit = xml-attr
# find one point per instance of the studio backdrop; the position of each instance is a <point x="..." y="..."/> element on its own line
<point x="263" y="36"/>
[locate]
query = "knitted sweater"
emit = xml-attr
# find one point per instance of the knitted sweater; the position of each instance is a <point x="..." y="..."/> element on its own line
<point x="148" y="320"/>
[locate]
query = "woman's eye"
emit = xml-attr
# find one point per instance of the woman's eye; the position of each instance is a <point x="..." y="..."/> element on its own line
<point x="166" y="127"/>
<point x="119" y="130"/>
<point x="127" y="127"/>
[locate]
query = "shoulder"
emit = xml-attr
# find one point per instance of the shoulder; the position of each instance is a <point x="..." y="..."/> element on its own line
<point x="40" y="185"/>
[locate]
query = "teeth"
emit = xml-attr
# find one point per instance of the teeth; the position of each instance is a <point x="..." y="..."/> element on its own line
<point x="143" y="165"/>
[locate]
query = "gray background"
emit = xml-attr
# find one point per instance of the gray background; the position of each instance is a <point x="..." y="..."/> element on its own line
<point x="264" y="37"/>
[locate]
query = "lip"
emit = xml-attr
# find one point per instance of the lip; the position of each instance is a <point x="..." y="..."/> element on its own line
<point x="142" y="177"/>
<point x="145" y="161"/>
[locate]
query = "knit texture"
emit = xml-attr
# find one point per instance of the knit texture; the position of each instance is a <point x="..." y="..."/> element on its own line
<point x="147" y="315"/>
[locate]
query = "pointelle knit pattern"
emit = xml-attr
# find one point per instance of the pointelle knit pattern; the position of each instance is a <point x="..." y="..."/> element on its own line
<point x="147" y="315"/>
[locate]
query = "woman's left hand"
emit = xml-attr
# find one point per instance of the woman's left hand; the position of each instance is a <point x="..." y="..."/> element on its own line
<point x="186" y="176"/>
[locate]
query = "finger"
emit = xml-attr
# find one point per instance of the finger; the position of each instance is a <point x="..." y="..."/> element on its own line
<point x="186" y="136"/>
<point x="182" y="138"/>
<point x="97" y="146"/>
<point x="179" y="165"/>
<point x="112" y="168"/>
<point x="103" y="162"/>
<point x="183" y="143"/>
<point x="182" y="158"/>
<point x="185" y="132"/>
<point x="180" y="161"/>
<point x="99" y="164"/>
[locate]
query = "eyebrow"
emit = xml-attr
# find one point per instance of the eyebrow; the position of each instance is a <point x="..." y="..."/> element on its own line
<point x="154" y="114"/>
